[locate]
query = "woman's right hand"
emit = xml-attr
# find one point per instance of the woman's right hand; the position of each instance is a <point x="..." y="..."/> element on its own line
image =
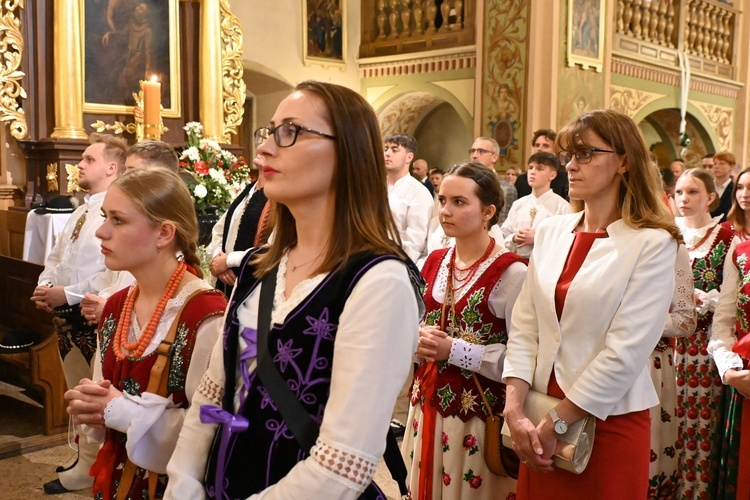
<point x="427" y="344"/>
<point x="83" y="404"/>
<point x="527" y="442"/>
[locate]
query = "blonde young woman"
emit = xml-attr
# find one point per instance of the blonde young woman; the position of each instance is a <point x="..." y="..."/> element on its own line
<point x="699" y="395"/>
<point x="149" y="230"/>
<point x="729" y="349"/>
<point x="591" y="312"/>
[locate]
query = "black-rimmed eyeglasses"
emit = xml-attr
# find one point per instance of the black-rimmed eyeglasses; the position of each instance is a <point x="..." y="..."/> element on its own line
<point x="583" y="156"/>
<point x="285" y="134"/>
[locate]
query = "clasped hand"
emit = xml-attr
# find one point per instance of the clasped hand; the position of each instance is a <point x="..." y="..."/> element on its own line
<point x="88" y="401"/>
<point x="433" y="344"/>
<point x="534" y="445"/>
<point x="524" y="237"/>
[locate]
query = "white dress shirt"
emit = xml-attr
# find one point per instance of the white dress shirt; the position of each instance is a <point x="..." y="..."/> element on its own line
<point x="234" y="259"/>
<point x="376" y="336"/>
<point x="76" y="263"/>
<point x="520" y="217"/>
<point x="412" y="207"/>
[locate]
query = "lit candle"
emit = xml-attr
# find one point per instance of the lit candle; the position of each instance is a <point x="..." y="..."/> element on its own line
<point x="151" y="107"/>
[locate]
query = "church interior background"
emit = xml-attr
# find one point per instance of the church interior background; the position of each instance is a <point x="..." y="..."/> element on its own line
<point x="444" y="71"/>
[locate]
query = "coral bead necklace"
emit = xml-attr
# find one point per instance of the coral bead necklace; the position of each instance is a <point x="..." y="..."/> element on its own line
<point x="138" y="347"/>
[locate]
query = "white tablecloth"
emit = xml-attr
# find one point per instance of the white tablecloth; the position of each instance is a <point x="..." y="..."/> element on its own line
<point x="41" y="233"/>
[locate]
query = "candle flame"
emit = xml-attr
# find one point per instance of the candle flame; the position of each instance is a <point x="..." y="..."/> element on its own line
<point x="153" y="78"/>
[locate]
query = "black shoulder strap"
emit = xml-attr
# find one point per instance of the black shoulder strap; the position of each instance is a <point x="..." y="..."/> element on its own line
<point x="304" y="428"/>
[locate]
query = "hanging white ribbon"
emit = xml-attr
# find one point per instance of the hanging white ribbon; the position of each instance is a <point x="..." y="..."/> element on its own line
<point x="684" y="91"/>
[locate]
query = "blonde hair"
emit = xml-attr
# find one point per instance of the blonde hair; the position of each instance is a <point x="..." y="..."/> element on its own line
<point x="640" y="194"/>
<point x="362" y="217"/>
<point x="115" y="148"/>
<point x="162" y="196"/>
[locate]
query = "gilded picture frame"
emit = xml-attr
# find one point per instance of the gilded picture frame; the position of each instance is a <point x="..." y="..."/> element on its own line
<point x="586" y="33"/>
<point x="324" y="32"/>
<point x="123" y="43"/>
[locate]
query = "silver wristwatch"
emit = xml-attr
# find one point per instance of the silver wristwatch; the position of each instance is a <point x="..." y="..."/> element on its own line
<point x="560" y="426"/>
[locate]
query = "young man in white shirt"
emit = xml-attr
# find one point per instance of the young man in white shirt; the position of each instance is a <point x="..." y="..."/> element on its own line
<point x="73" y="268"/>
<point x="528" y="211"/>
<point x="411" y="204"/>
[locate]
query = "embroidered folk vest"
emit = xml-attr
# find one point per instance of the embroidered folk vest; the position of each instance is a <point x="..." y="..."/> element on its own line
<point x="456" y="392"/>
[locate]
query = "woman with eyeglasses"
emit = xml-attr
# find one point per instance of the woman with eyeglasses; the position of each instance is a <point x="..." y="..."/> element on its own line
<point x="318" y="337"/>
<point x="590" y="313"/>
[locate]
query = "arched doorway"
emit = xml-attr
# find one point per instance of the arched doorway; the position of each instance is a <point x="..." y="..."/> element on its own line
<point x="440" y="131"/>
<point x="661" y="130"/>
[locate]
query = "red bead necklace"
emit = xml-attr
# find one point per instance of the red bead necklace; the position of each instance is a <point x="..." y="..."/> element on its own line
<point x="471" y="270"/>
<point x="138" y="347"/>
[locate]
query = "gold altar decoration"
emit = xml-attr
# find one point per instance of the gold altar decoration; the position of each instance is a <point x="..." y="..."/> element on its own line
<point x="232" y="71"/>
<point x="220" y="78"/>
<point x="72" y="171"/>
<point x="137" y="127"/>
<point x="51" y="177"/>
<point x="11" y="47"/>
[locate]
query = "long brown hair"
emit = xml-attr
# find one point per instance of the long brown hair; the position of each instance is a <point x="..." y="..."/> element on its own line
<point x="736" y="215"/>
<point x="161" y="195"/>
<point x="640" y="193"/>
<point x="362" y="217"/>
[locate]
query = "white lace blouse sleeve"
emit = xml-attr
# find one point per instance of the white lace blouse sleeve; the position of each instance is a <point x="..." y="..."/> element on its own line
<point x="722" y="329"/>
<point x="501" y="302"/>
<point x="376" y="337"/>
<point x="681" y="319"/>
<point x="152" y="423"/>
<point x="187" y="466"/>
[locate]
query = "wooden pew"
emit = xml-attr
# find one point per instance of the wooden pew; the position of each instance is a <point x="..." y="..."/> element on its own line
<point x="38" y="366"/>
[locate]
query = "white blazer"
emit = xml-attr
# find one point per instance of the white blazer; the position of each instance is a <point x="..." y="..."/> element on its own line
<point x="612" y="320"/>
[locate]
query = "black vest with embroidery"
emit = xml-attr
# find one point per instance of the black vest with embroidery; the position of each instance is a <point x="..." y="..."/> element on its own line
<point x="302" y="351"/>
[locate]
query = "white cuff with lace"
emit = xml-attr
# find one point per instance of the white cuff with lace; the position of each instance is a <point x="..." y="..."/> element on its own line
<point x="466" y="355"/>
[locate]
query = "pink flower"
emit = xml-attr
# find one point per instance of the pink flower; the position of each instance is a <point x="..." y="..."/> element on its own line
<point x="469" y="442"/>
<point x="445" y="439"/>
<point x="446" y="479"/>
<point x="415" y="424"/>
<point x="475" y="482"/>
<point x="200" y="167"/>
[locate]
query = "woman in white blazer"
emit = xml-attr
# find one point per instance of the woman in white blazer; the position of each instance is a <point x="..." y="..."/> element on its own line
<point x="591" y="311"/>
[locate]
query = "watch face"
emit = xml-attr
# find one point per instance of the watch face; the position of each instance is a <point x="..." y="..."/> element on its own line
<point x="561" y="427"/>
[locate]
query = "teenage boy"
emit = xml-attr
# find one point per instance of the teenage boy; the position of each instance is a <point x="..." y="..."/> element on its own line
<point x="526" y="213"/>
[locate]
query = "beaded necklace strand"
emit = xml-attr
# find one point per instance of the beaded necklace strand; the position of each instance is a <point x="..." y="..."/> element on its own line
<point x="471" y="270"/>
<point x="138" y="347"/>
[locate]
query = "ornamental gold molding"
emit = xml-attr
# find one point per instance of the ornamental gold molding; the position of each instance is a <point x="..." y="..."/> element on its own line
<point x="721" y="119"/>
<point x="72" y="171"/>
<point x="51" y="177"/>
<point x="232" y="71"/>
<point x="11" y="48"/>
<point x="630" y="101"/>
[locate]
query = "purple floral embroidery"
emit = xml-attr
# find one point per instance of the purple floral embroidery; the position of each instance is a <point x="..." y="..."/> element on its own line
<point x="320" y="326"/>
<point x="286" y="353"/>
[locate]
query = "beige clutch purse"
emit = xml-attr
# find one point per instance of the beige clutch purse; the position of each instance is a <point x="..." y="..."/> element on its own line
<point x="574" y="447"/>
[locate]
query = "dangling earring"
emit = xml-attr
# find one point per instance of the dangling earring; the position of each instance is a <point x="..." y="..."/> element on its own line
<point x="180" y="256"/>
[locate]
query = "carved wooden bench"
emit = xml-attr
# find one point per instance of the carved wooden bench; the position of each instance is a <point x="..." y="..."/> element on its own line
<point x="38" y="366"/>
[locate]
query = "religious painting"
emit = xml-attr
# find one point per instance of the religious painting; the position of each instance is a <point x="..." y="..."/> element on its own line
<point x="586" y="33"/>
<point x="324" y="32"/>
<point x="126" y="41"/>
